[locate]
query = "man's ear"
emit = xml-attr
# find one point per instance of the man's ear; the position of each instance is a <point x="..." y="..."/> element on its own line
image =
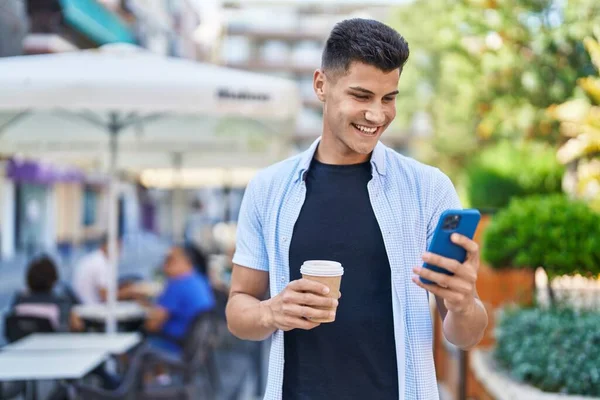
<point x="319" y="84"/>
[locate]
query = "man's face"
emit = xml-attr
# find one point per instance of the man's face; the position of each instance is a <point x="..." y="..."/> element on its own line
<point x="359" y="105"/>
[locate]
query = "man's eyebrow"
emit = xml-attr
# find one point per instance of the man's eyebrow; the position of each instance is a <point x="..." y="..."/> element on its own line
<point x="367" y="91"/>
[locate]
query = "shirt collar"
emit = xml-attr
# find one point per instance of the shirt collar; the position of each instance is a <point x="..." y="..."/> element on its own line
<point x="377" y="159"/>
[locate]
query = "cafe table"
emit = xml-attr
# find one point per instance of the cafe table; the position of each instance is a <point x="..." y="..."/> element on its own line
<point x="112" y="343"/>
<point x="39" y="365"/>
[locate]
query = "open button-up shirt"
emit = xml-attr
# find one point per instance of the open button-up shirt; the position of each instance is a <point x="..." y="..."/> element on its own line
<point x="407" y="198"/>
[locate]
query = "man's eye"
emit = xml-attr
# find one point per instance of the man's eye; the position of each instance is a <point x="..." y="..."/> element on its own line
<point x="388" y="99"/>
<point x="362" y="97"/>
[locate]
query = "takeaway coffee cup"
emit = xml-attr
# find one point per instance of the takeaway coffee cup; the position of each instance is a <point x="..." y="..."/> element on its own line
<point x="328" y="273"/>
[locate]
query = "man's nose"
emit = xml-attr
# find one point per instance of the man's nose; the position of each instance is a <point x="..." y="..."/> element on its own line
<point x="375" y="115"/>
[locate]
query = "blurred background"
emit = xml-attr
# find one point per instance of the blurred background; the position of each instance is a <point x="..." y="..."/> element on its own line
<point x="503" y="96"/>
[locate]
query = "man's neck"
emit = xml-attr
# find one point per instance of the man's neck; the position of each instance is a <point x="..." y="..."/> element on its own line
<point x="332" y="151"/>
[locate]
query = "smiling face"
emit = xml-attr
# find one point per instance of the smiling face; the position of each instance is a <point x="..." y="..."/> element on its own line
<point x="359" y="105"/>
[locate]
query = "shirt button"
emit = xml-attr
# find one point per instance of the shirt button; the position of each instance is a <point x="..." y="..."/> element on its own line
<point x="284" y="239"/>
<point x="282" y="280"/>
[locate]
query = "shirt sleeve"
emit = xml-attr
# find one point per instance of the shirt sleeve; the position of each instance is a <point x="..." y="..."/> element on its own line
<point x="169" y="299"/>
<point x="444" y="197"/>
<point x="250" y="248"/>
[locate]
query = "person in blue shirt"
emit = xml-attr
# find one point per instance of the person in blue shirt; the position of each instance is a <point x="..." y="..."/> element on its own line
<point x="187" y="293"/>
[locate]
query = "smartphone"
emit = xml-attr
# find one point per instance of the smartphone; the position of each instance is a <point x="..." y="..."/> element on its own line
<point x="463" y="222"/>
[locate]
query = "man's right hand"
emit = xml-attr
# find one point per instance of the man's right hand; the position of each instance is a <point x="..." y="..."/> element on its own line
<point x="296" y="304"/>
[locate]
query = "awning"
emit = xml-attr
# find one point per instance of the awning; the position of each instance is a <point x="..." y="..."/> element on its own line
<point x="38" y="172"/>
<point x="96" y="22"/>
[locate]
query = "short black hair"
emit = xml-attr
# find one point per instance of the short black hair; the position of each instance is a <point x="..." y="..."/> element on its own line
<point x="41" y="275"/>
<point x="196" y="257"/>
<point x="367" y="41"/>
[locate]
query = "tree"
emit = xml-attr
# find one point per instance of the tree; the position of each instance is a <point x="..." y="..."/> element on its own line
<point x="486" y="70"/>
<point x="580" y="123"/>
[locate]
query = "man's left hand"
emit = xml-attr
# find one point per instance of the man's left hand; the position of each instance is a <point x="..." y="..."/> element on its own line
<point x="458" y="290"/>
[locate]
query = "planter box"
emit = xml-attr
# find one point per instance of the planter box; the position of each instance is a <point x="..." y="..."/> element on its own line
<point x="498" y="288"/>
<point x="500" y="386"/>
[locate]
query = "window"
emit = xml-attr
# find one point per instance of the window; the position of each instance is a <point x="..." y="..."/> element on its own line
<point x="90" y="206"/>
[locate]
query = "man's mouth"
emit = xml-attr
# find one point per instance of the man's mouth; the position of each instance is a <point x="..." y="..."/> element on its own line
<point x="367" y="130"/>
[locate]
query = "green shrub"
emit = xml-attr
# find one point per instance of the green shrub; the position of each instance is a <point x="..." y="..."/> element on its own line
<point x="553" y="232"/>
<point x="506" y="170"/>
<point x="556" y="350"/>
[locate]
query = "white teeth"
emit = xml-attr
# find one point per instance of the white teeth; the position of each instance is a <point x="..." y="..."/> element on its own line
<point x="365" y="129"/>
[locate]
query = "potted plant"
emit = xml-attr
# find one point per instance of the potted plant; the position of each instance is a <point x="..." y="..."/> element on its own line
<point x="553" y="232"/>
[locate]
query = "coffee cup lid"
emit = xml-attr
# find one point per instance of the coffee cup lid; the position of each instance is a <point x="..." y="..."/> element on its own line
<point x="322" y="268"/>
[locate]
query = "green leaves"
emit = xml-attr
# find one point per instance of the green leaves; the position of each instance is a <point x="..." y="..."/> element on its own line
<point x="555" y="350"/>
<point x="553" y="232"/>
<point x="506" y="170"/>
<point x="492" y="68"/>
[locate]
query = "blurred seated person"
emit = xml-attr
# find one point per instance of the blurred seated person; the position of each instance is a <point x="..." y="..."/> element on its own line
<point x="40" y="300"/>
<point x="90" y="280"/>
<point x="187" y="293"/>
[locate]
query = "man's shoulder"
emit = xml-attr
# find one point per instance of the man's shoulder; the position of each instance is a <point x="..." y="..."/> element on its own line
<point x="277" y="174"/>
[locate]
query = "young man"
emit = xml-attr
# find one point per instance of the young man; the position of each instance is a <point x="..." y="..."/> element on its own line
<point x="353" y="200"/>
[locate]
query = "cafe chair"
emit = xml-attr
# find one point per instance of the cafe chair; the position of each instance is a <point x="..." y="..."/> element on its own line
<point x="193" y="375"/>
<point x="203" y="371"/>
<point x="127" y="390"/>
<point x="12" y="390"/>
<point x="16" y="327"/>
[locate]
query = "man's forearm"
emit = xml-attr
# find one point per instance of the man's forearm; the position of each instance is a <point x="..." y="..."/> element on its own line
<point x="248" y="317"/>
<point x="466" y="330"/>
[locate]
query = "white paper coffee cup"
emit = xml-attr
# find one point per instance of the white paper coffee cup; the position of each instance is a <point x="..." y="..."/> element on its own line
<point x="326" y="272"/>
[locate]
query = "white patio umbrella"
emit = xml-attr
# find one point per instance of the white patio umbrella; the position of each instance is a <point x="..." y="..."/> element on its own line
<point x="124" y="100"/>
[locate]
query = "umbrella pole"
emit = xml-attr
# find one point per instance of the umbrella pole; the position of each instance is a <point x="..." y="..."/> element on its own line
<point x="178" y="205"/>
<point x="111" y="323"/>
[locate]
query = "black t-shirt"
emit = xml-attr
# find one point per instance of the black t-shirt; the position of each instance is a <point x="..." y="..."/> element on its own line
<point x="355" y="356"/>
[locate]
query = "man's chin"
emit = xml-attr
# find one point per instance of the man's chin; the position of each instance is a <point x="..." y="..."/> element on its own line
<point x="365" y="149"/>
